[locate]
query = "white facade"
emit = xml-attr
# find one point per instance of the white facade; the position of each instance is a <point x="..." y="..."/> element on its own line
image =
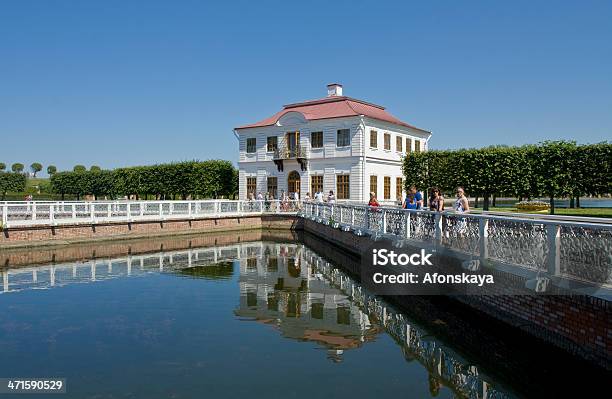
<point x="358" y="159"/>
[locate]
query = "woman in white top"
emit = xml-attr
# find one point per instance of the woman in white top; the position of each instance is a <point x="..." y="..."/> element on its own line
<point x="461" y="204"/>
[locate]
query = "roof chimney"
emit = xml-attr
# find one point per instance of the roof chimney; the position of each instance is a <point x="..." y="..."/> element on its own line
<point x="334" y="89"/>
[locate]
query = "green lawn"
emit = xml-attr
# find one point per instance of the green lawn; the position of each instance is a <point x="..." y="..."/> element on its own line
<point x="586" y="212"/>
<point x="36" y="181"/>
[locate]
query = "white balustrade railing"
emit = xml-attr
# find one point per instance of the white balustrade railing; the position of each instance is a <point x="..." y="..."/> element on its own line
<point x="580" y="250"/>
<point x="35" y="213"/>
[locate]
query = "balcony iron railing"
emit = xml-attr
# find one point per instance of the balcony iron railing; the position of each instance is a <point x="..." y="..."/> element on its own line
<point x="285" y="153"/>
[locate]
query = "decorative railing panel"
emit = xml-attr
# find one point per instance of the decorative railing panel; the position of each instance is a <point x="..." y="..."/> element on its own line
<point x="518" y="242"/>
<point x="586" y="253"/>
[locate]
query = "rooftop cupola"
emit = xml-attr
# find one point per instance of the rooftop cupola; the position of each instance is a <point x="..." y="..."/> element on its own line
<point x="334" y="90"/>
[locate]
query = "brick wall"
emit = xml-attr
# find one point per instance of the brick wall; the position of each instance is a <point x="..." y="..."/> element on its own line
<point x="42" y="235"/>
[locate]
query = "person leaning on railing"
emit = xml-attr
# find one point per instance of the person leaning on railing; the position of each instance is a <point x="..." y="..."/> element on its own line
<point x="436" y="200"/>
<point x="461" y="204"/>
<point x="414" y="199"/>
<point x="373" y="201"/>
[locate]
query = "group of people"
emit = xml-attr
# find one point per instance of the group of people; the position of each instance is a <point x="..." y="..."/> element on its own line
<point x="414" y="200"/>
<point x="319" y="196"/>
<point x="269" y="197"/>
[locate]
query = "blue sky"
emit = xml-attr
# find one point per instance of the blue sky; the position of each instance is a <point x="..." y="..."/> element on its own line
<point x="119" y="83"/>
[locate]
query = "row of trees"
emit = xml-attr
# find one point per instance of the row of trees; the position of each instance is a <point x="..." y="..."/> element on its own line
<point x="36" y="167"/>
<point x="208" y="179"/>
<point x="550" y="169"/>
<point x="11" y="182"/>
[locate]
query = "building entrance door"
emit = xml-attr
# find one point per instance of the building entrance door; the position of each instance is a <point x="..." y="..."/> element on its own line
<point x="293" y="183"/>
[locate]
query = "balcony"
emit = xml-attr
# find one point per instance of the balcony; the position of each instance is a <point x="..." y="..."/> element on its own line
<point x="285" y="153"/>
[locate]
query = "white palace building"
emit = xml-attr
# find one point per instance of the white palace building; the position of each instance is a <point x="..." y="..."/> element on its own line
<point x="335" y="143"/>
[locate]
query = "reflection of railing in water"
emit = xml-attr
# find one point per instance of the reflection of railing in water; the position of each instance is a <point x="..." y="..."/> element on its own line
<point x="44" y="276"/>
<point x="576" y="251"/>
<point x="452" y="371"/>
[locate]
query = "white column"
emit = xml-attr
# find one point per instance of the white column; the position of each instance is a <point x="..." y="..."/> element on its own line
<point x="408" y="224"/>
<point x="52" y="275"/>
<point x="93" y="270"/>
<point x="129" y="265"/>
<point x="384" y="221"/>
<point x="483" y="237"/>
<point x="553" y="238"/>
<point x="4" y="215"/>
<point x="438" y="231"/>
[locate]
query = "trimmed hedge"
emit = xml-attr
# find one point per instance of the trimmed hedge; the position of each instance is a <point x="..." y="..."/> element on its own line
<point x="208" y="179"/>
<point x="13" y="182"/>
<point x="551" y="169"/>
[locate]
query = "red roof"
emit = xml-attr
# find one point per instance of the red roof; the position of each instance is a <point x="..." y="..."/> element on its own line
<point x="333" y="107"/>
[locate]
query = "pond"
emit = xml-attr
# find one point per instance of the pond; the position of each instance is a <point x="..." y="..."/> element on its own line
<point x="265" y="318"/>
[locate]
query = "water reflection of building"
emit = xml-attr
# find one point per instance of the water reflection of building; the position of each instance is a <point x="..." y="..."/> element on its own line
<point x="282" y="288"/>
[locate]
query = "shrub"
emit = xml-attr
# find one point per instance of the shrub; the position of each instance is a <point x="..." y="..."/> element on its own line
<point x="532" y="206"/>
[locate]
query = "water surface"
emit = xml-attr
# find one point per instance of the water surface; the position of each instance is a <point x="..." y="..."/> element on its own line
<point x="254" y="319"/>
